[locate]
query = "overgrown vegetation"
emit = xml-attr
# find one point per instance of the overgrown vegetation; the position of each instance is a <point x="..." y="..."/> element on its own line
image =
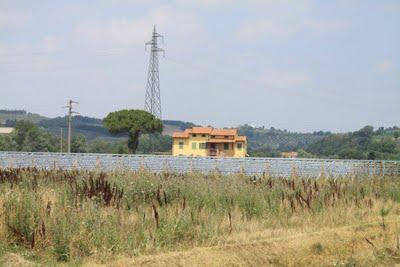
<point x="55" y="215"/>
<point x="363" y="144"/>
<point x="29" y="137"/>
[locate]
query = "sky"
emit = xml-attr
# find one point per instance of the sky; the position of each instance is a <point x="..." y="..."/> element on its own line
<point x="299" y="65"/>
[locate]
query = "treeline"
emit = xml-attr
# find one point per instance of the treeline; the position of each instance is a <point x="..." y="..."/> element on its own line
<point x="271" y="142"/>
<point x="13" y="111"/>
<point x="91" y="128"/>
<point x="366" y="143"/>
<point x="363" y="144"/>
<point x="90" y="136"/>
<point x="27" y="136"/>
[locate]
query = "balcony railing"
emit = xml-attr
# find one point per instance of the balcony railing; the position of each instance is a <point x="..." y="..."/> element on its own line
<point x="212" y="152"/>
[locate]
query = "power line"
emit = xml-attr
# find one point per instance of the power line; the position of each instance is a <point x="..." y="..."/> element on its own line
<point x="153" y="76"/>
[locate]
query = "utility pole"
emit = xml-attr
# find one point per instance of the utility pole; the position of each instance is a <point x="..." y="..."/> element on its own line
<point x="70" y="112"/>
<point x="61" y="139"/>
<point x="153" y="98"/>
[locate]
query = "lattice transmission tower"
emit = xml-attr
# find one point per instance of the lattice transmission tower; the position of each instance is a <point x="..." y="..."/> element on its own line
<point x="153" y="97"/>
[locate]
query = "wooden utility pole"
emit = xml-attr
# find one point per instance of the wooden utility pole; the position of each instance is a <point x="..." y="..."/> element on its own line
<point x="61" y="139"/>
<point x="70" y="112"/>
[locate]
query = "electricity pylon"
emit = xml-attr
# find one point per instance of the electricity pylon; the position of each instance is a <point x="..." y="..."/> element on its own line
<point x="153" y="97"/>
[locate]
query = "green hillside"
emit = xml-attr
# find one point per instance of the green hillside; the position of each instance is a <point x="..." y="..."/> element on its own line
<point x="91" y="136"/>
<point x="9" y="116"/>
<point x="93" y="128"/>
<point x="363" y="144"/>
<point x="271" y="142"/>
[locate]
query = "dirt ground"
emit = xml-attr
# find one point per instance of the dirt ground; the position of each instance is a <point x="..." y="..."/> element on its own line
<point x="366" y="244"/>
<point x="355" y="245"/>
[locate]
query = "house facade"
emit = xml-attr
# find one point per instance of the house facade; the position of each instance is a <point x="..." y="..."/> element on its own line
<point x="208" y="141"/>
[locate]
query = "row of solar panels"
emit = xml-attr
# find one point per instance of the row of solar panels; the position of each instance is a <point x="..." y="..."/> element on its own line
<point x="155" y="163"/>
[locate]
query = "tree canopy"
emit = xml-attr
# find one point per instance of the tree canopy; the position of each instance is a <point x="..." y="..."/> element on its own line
<point x="28" y="137"/>
<point x="362" y="144"/>
<point x="134" y="123"/>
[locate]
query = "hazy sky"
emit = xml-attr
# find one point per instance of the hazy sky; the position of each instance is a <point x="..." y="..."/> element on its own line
<point x="301" y="65"/>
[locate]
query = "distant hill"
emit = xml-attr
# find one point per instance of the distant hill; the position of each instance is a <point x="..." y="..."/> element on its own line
<point x="91" y="128"/>
<point x="365" y="143"/>
<point x="171" y="126"/>
<point x="270" y="142"/>
<point x="7" y="117"/>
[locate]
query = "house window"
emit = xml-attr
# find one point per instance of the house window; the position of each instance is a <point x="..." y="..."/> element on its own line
<point x="203" y="135"/>
<point x="212" y="136"/>
<point x="194" y="135"/>
<point x="239" y="146"/>
<point x="181" y="145"/>
<point x="226" y="136"/>
<point x="226" y="146"/>
<point x="202" y="145"/>
<point x="194" y="145"/>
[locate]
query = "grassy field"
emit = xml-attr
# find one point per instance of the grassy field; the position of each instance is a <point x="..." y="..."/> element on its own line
<point x="139" y="218"/>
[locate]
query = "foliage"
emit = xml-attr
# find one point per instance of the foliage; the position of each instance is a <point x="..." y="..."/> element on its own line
<point x="150" y="143"/>
<point x="108" y="146"/>
<point x="264" y="151"/>
<point x="78" y="144"/>
<point x="7" y="143"/>
<point x="134" y="123"/>
<point x="89" y="127"/>
<point x="28" y="137"/>
<point x="363" y="144"/>
<point x="70" y="215"/>
<point x="271" y="142"/>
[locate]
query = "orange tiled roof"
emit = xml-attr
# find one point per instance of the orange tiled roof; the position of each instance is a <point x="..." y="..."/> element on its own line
<point x="201" y="130"/>
<point x="240" y="138"/>
<point x="224" y="132"/>
<point x="214" y="140"/>
<point x="211" y="131"/>
<point x="180" y="135"/>
<point x="184" y="134"/>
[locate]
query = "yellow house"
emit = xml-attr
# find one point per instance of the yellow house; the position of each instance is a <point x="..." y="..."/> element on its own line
<point x="207" y="141"/>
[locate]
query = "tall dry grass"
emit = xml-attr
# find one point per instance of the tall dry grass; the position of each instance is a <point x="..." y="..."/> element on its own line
<point x="64" y="216"/>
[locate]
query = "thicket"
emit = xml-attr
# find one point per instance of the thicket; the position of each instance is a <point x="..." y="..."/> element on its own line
<point x="71" y="215"/>
<point x="363" y="144"/>
<point x="29" y="137"/>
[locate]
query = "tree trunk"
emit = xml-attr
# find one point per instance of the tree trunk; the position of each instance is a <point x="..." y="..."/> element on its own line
<point x="133" y="141"/>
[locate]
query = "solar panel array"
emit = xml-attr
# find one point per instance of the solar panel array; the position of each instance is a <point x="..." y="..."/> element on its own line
<point x="157" y="163"/>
